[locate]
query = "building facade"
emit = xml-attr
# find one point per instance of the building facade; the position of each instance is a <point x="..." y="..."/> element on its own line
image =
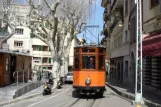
<point x="152" y="44"/>
<point x="24" y="41"/>
<point x="118" y="33"/>
<point x="122" y="34"/>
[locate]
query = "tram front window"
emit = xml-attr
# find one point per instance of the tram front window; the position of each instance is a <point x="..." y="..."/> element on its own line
<point x="88" y="62"/>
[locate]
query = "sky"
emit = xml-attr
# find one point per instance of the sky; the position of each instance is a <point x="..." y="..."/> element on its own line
<point x="98" y="21"/>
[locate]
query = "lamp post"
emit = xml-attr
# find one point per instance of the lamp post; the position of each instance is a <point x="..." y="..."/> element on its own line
<point x="138" y="65"/>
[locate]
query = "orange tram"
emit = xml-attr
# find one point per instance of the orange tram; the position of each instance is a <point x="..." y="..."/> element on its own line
<point x="89" y="70"/>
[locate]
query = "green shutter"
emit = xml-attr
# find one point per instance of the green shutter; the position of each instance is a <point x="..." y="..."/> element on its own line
<point x="42" y="48"/>
<point x="49" y="60"/>
<point x="39" y="48"/>
<point x="43" y="67"/>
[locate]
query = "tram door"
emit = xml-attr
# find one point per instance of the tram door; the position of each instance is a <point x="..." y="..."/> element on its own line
<point x="13" y="68"/>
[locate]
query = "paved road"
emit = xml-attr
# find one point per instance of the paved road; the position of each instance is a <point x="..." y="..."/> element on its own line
<point x="63" y="98"/>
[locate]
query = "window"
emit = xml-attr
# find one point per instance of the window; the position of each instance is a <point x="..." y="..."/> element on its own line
<point x="36" y="58"/>
<point x="88" y="62"/>
<point x="88" y="50"/>
<point x="101" y="62"/>
<point x="153" y="3"/>
<point x="101" y="51"/>
<point x="133" y="30"/>
<point x="23" y="64"/>
<point x="76" y="62"/>
<point x="18" y="43"/>
<point x="50" y="68"/>
<point x="19" y="31"/>
<point x="126" y="7"/>
<point x="7" y="63"/>
<point x="121" y="39"/>
<point x="45" y="60"/>
<point x="45" y="48"/>
<point x="35" y="47"/>
<point x="126" y="36"/>
<point x="126" y="68"/>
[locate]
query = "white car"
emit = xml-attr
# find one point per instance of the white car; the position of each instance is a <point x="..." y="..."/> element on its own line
<point x="69" y="77"/>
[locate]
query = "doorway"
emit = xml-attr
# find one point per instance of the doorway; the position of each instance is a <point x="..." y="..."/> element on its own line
<point x="12" y="68"/>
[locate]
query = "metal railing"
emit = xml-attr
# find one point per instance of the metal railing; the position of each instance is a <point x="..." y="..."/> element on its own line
<point x="21" y="76"/>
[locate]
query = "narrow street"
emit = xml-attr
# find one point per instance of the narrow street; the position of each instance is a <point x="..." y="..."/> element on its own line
<point x="63" y="98"/>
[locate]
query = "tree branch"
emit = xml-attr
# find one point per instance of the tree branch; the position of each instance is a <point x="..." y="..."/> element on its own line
<point x="48" y="5"/>
<point x="54" y="7"/>
<point x="10" y="35"/>
<point x="41" y="38"/>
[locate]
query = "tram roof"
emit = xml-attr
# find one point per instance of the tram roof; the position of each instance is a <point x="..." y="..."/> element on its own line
<point x="97" y="46"/>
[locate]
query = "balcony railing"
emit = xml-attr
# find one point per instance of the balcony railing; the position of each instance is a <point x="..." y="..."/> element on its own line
<point x="118" y="16"/>
<point x="45" y="53"/>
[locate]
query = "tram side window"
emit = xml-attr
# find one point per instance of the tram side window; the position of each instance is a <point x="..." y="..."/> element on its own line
<point x="101" y="50"/>
<point x="101" y="62"/>
<point x="88" y="62"/>
<point x="76" y="60"/>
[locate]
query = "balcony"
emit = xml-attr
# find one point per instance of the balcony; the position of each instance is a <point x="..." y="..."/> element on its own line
<point x="105" y="3"/>
<point x="42" y="53"/>
<point x="117" y="4"/>
<point x="105" y="32"/>
<point x="117" y="14"/>
<point x="106" y="16"/>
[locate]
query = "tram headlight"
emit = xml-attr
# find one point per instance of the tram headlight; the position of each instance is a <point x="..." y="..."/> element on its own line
<point x="88" y="81"/>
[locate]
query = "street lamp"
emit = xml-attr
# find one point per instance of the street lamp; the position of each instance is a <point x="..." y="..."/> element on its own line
<point x="120" y="23"/>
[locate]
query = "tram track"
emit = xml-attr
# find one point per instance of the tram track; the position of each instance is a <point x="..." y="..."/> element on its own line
<point x="87" y="103"/>
<point x="74" y="102"/>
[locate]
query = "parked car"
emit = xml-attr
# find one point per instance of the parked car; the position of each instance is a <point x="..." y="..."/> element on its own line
<point x="69" y="77"/>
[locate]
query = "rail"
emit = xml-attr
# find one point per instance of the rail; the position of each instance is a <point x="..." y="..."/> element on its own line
<point x="21" y="76"/>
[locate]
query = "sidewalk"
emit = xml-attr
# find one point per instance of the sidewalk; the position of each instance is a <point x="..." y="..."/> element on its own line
<point x="13" y="91"/>
<point x="31" y="94"/>
<point x="151" y="98"/>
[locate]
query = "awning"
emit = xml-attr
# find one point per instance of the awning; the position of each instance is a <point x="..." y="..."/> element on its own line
<point x="152" y="45"/>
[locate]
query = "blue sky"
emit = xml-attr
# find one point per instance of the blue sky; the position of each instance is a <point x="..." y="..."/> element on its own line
<point x="98" y="21"/>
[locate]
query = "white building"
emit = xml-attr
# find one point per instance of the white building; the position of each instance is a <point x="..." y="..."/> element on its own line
<point x="41" y="55"/>
<point x="24" y="41"/>
<point x="20" y="41"/>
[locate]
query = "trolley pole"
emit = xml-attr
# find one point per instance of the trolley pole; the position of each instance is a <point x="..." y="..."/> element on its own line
<point x="138" y="66"/>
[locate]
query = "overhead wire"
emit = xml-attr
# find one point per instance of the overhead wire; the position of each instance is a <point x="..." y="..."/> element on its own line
<point x="92" y="33"/>
<point x="94" y="11"/>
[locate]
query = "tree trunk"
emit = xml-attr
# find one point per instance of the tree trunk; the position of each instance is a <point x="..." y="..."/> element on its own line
<point x="55" y="69"/>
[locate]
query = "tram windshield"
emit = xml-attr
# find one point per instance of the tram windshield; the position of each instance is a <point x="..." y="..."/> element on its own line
<point x="88" y="62"/>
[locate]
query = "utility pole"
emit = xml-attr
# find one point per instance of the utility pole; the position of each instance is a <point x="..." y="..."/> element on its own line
<point x="138" y="66"/>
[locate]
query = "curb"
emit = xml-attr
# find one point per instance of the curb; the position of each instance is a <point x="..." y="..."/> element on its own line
<point x="18" y="99"/>
<point x="132" y="97"/>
